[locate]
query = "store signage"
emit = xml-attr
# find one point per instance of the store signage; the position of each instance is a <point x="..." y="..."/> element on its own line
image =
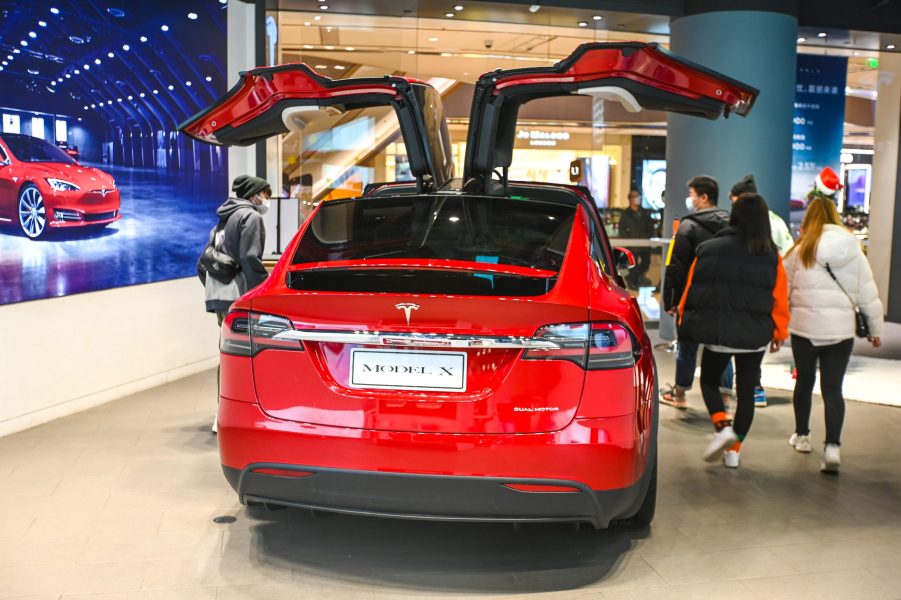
<point x="575" y="170"/>
<point x="537" y="137"/>
<point x="819" y="117"/>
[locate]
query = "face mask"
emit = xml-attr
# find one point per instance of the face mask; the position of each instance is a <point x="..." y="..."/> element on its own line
<point x="689" y="204"/>
<point x="264" y="207"/>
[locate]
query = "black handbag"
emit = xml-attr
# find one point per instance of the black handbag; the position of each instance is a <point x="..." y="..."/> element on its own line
<point x="861" y="327"/>
<point x="218" y="265"/>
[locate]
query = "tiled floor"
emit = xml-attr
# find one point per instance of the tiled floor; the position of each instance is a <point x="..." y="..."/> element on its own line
<point x="118" y="502"/>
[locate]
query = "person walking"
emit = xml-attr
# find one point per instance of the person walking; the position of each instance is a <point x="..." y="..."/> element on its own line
<point x="829" y="278"/>
<point x="240" y="234"/>
<point x="703" y="222"/>
<point x="636" y="223"/>
<point x="736" y="304"/>
<point x="783" y="239"/>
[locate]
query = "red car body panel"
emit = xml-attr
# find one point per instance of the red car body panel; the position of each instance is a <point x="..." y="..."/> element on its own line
<point x="539" y="432"/>
<point x="96" y="202"/>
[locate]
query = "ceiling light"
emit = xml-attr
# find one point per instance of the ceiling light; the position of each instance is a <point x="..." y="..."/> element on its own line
<point x="307" y="23"/>
<point x="192" y="16"/>
<point x="801" y="40"/>
<point x="188" y="83"/>
<point x="339" y="67"/>
<point x="85" y="106"/>
<point x="42" y="23"/>
<point x="323" y="7"/>
<point x="458" y="7"/>
<point x="171" y="87"/>
<point x="583" y="24"/>
<point x="68" y="76"/>
<point x="131" y="97"/>
<point x="33" y="72"/>
<point x="109" y="102"/>
<point x="97" y="61"/>
<point x="433" y="39"/>
<point x="52" y="83"/>
<point x="597" y="17"/>
<point x="143" y="38"/>
<point x="446" y="54"/>
<point x="890" y="47"/>
<point x="54" y="11"/>
<point x="320" y="67"/>
<point x="4" y="63"/>
<point x="32" y="34"/>
<point x="317" y="18"/>
<point x="126" y="47"/>
<point x="110" y="54"/>
<point x="308" y="46"/>
<point x="16" y="51"/>
<point x="93" y="106"/>
<point x="448" y="15"/>
<point x="164" y="28"/>
<point x="141" y="94"/>
<point x="1" y="68"/>
<point x="534" y="8"/>
<point x="60" y="79"/>
<point x="223" y="1"/>
<point x="9" y="56"/>
<point x="86" y="67"/>
<point x="350" y="48"/>
<point x="821" y="34"/>
<point x="156" y="91"/>
<point x="411" y="51"/>
<point x="24" y="43"/>
<point x="208" y="78"/>
<point x="77" y="72"/>
<point x="329" y="47"/>
<point x="118" y="99"/>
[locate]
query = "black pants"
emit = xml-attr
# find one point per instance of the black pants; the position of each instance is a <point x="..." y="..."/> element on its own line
<point x="747" y="373"/>
<point x="833" y="364"/>
<point x="642" y="265"/>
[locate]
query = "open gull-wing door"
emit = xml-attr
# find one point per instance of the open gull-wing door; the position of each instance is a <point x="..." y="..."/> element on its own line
<point x="274" y="100"/>
<point x="637" y="75"/>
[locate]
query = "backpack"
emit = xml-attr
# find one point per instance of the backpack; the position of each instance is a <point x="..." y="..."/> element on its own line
<point x="215" y="263"/>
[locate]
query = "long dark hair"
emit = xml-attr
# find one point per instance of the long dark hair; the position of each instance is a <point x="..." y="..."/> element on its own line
<point x="751" y="216"/>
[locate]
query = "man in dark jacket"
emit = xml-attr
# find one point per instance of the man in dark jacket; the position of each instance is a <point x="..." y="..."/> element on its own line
<point x="702" y="223"/>
<point x="241" y="235"/>
<point x="636" y="223"/>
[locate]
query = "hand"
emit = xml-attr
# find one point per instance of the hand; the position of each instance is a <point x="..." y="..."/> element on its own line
<point x="775" y="345"/>
<point x="671" y="312"/>
<point x="876" y="341"/>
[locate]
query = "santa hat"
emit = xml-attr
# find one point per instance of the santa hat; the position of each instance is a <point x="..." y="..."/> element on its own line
<point x="827" y="182"/>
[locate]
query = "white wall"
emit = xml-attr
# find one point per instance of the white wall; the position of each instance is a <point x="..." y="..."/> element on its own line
<point x="63" y="355"/>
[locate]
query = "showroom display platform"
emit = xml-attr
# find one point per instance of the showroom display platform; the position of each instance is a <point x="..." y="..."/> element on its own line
<point x="119" y="501"/>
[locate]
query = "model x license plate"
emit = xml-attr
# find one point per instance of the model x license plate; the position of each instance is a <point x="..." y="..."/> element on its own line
<point x="408" y="370"/>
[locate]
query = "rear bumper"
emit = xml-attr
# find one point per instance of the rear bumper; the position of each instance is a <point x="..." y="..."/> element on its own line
<point x="604" y="463"/>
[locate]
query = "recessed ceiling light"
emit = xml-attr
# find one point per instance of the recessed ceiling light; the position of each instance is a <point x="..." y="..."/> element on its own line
<point x="458" y="7"/>
<point x="339" y="67"/>
<point x="856" y="53"/>
<point x="307" y="23"/>
<point x="597" y="17"/>
<point x="171" y="87"/>
<point x="821" y="34"/>
<point x="93" y="106"/>
<point x="320" y="67"/>
<point x="85" y="106"/>
<point x="350" y="48"/>
<point x="192" y="16"/>
<point x="448" y="15"/>
<point x="86" y="67"/>
<point x="143" y="38"/>
<point x="77" y="72"/>
<point x="329" y="47"/>
<point x="24" y="43"/>
<point x="97" y="61"/>
<point x="534" y="8"/>
<point x="308" y="46"/>
<point x="68" y="76"/>
<point x="446" y="54"/>
<point x="16" y="51"/>
<point x="141" y="94"/>
<point x="110" y="54"/>
<point x="323" y="7"/>
<point x="223" y="1"/>
<point x="317" y="18"/>
<point x="411" y="51"/>
<point x="164" y="28"/>
<point x="156" y="91"/>
<point x="118" y="99"/>
<point x="208" y="78"/>
<point x="583" y="24"/>
<point x="131" y="97"/>
<point x="33" y="71"/>
<point x="52" y="83"/>
<point x="890" y="47"/>
<point x="9" y="56"/>
<point x="188" y="83"/>
<point x="109" y="102"/>
<point x="54" y="11"/>
<point x="42" y="23"/>
<point x="126" y="47"/>
<point x="433" y="39"/>
<point x="32" y="34"/>
<point x="801" y="40"/>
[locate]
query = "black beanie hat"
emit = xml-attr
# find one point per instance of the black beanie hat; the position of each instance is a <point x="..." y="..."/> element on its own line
<point x="747" y="184"/>
<point x="246" y="186"/>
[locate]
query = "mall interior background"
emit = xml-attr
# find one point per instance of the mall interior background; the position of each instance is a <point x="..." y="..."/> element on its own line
<point x="447" y="44"/>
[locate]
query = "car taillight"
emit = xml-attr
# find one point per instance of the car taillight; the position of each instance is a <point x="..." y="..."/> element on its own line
<point x="247" y="333"/>
<point x="599" y="345"/>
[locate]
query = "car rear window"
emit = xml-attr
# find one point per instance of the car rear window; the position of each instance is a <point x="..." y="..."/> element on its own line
<point x="478" y="229"/>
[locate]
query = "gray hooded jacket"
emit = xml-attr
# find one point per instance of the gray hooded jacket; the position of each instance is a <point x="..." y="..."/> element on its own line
<point x="242" y="238"/>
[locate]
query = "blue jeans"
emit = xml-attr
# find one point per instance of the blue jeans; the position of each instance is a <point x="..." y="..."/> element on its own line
<point x="687" y="360"/>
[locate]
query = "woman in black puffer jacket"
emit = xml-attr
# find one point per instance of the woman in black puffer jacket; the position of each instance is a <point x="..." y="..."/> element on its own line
<point x="736" y="304"/>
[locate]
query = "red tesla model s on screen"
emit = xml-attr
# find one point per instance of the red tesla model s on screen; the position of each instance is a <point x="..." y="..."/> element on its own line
<point x="42" y="187"/>
<point x="458" y="349"/>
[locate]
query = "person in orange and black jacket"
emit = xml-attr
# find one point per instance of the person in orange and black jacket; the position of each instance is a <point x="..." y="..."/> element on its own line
<point x="736" y="304"/>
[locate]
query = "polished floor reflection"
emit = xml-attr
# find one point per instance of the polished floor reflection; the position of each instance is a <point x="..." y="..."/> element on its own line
<point x="166" y="217"/>
<point x="118" y="502"/>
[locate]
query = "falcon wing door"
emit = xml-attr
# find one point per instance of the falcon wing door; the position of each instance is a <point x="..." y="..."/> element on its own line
<point x="635" y="74"/>
<point x="274" y="100"/>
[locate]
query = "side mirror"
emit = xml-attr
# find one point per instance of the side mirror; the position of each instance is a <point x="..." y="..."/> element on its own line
<point x="4" y="163"/>
<point x="624" y="258"/>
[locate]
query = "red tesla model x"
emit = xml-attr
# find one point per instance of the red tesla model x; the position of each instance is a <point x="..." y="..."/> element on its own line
<point x="456" y="349"/>
<point x="42" y="187"/>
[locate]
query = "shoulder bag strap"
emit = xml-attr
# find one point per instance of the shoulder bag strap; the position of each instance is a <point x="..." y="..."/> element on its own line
<point x="840" y="286"/>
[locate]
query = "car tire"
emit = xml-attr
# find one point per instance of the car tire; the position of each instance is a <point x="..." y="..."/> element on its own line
<point x="32" y="212"/>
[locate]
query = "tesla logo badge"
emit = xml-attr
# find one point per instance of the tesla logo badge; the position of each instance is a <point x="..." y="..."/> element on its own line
<point x="407" y="307"/>
<point x="103" y="192"/>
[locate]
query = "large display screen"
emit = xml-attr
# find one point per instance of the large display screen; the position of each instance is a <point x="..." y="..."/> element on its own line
<point x="97" y="189"/>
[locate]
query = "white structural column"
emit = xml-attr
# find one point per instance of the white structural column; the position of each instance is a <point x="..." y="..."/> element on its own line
<point x="241" y="49"/>
<point x="883" y="202"/>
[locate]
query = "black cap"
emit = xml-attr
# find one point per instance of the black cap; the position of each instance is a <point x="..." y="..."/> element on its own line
<point x="747" y="184"/>
<point x="247" y="186"/>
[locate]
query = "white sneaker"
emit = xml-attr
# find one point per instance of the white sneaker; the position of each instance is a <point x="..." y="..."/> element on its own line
<point x="721" y="440"/>
<point x="730" y="458"/>
<point x="801" y="443"/>
<point x="831" y="459"/>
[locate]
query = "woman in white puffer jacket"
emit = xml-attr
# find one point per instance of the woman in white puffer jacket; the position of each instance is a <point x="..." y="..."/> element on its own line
<point x="822" y="322"/>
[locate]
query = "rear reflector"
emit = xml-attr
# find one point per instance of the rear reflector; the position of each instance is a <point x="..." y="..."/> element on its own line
<point x="246" y="333"/>
<point x="531" y="487"/>
<point x="283" y="472"/>
<point x="592" y="346"/>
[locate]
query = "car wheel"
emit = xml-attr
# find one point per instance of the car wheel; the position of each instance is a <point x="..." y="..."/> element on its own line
<point x="32" y="212"/>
